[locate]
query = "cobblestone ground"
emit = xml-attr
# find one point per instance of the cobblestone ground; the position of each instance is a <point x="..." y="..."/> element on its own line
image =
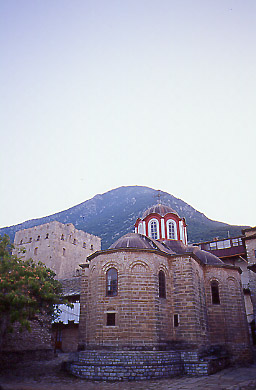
<point x="50" y="376"/>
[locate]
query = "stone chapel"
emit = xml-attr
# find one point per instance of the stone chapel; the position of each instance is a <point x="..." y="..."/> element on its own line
<point x="153" y="306"/>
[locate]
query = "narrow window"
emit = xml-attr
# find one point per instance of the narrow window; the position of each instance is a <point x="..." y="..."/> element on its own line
<point x="171" y="230"/>
<point x="176" y="321"/>
<point x="47" y="236"/>
<point x="162" y="290"/>
<point x="38" y="238"/>
<point x="91" y="247"/>
<point x="74" y="241"/>
<point x="63" y="251"/>
<point x="111" y="319"/>
<point x="21" y="242"/>
<point x="111" y="282"/>
<point x="35" y="251"/>
<point x="254" y="252"/>
<point x="58" y="335"/>
<point x="215" y="292"/>
<point x="84" y="245"/>
<point x="62" y="237"/>
<point x="153" y="230"/>
<point x="30" y="240"/>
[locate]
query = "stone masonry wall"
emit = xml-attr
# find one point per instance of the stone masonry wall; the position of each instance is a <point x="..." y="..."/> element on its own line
<point x="131" y="365"/>
<point x="60" y="247"/>
<point x="39" y="338"/>
<point x="142" y="318"/>
<point x="227" y="320"/>
<point x="250" y="244"/>
<point x="135" y="306"/>
<point x="188" y="300"/>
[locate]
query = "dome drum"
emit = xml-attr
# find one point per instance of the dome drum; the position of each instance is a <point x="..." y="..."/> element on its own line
<point x="162" y="223"/>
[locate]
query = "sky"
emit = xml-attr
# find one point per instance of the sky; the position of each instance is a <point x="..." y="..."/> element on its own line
<point x="106" y="93"/>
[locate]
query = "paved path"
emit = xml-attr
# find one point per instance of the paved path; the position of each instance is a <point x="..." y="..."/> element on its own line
<point x="49" y="376"/>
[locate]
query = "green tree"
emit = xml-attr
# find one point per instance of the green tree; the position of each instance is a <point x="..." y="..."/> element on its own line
<point x="26" y="290"/>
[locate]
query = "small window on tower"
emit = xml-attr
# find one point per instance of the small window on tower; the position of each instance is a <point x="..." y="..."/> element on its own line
<point x="21" y="242"/>
<point x="30" y="240"/>
<point x="35" y="251"/>
<point x="91" y="247"/>
<point x="74" y="241"/>
<point x="111" y="319"/>
<point x="62" y="237"/>
<point x="47" y="236"/>
<point x="63" y="251"/>
<point x="38" y="238"/>
<point x="84" y="245"/>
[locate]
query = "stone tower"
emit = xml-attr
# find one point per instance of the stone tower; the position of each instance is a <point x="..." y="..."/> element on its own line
<point x="60" y="247"/>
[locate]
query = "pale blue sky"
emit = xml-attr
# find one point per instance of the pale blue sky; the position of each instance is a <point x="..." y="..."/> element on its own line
<point x="99" y="94"/>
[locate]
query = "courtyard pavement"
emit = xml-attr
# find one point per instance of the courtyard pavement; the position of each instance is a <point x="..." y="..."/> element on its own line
<point x="48" y="375"/>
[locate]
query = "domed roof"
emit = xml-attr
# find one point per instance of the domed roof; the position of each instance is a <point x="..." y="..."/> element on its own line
<point x="179" y="248"/>
<point x="159" y="209"/>
<point x="134" y="240"/>
<point x="173" y="247"/>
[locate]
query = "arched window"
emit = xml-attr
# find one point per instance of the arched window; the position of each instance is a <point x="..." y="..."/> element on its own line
<point x="171" y="229"/>
<point x="153" y="229"/>
<point x="215" y="292"/>
<point x="111" y="282"/>
<point x="162" y="289"/>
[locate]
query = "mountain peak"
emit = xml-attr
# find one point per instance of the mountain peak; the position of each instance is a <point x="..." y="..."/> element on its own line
<point x="114" y="213"/>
